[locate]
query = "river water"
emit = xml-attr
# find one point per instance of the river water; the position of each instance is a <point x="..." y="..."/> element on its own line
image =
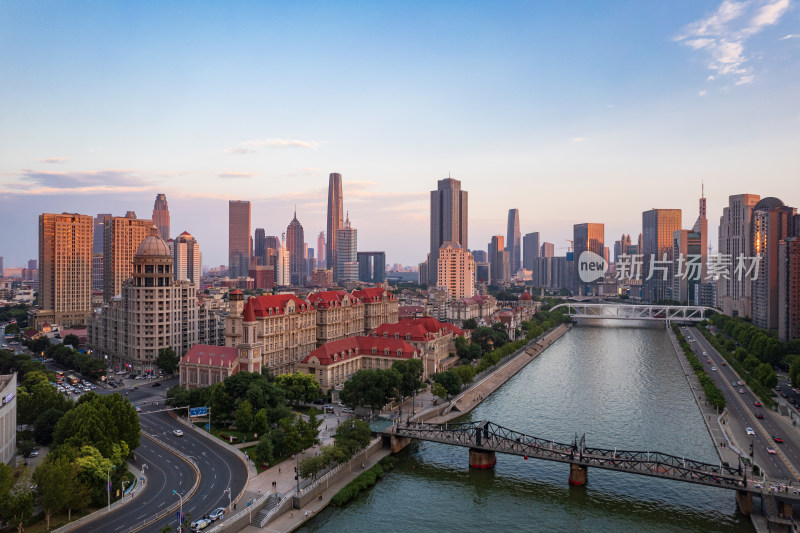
<point x="621" y="386"/>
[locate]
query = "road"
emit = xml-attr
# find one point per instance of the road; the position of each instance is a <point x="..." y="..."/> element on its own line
<point x="742" y="411"/>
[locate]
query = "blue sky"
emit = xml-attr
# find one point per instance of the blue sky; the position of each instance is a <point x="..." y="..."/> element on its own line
<point x="570" y="111"/>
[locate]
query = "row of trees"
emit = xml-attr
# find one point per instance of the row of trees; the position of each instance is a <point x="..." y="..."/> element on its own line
<point x="713" y="395"/>
<point x="757" y="342"/>
<point x="375" y="388"/>
<point x="350" y="438"/>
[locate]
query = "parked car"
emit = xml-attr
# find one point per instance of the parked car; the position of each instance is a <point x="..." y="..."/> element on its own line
<point x="201" y="524"/>
<point x="156" y="384"/>
<point x="217" y="514"/>
<point x="177" y="432"/>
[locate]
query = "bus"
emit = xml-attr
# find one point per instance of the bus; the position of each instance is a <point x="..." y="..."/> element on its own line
<point x="59" y="377"/>
<point x="72" y="380"/>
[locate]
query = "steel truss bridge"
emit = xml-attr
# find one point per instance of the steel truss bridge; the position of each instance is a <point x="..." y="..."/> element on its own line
<point x="678" y="313"/>
<point x="489" y="437"/>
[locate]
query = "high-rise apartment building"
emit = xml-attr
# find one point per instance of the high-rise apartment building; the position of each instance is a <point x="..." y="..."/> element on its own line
<point x="187" y="259"/>
<point x="123" y="235"/>
<point x="335" y="218"/>
<point x="621" y="247"/>
<point x="456" y="271"/>
<point x="658" y="229"/>
<point x="295" y="243"/>
<point x="514" y="240"/>
<point x="321" y="252"/>
<point x="551" y="273"/>
<point x="480" y="256"/>
<point x="690" y="258"/>
<point x="65" y="274"/>
<point x="283" y="266"/>
<point x="260" y="246"/>
<point x="238" y="238"/>
<point x="161" y="216"/>
<point x="499" y="261"/>
<point x="789" y="289"/>
<point x="734" y="293"/>
<point x="346" y="253"/>
<point x="587" y="237"/>
<point x="371" y="267"/>
<point x="100" y="222"/>
<point x="530" y="250"/>
<point x="771" y="223"/>
<point x="548" y="250"/>
<point x="449" y="221"/>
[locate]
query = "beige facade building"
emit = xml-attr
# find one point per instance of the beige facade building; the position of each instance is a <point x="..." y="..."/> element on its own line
<point x="152" y="312"/>
<point x="380" y="307"/>
<point x="8" y="418"/>
<point x="434" y="340"/>
<point x="456" y="270"/>
<point x="65" y="270"/>
<point x="339" y="315"/>
<point x="123" y="235"/>
<point x="734" y="293"/>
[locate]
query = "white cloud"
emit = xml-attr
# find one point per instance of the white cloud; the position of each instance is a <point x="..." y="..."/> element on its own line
<point x="578" y="139"/>
<point x="790" y="36"/>
<point x="54" y="160"/>
<point x="701" y="93"/>
<point x="248" y="147"/>
<point x="723" y="35"/>
<point x="235" y="175"/>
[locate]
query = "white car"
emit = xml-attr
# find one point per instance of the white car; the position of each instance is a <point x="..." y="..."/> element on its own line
<point x="704" y="353"/>
<point x="750" y="431"/>
<point x="714" y="369"/>
<point x="177" y="432"/>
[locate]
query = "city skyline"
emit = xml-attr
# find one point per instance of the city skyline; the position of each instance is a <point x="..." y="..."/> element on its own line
<point x="629" y="125"/>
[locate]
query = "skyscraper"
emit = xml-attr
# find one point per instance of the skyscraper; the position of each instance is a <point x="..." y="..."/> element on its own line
<point x="100" y="222"/>
<point x="335" y="214"/>
<point x="65" y="274"/>
<point x="456" y="271"/>
<point x="499" y="261"/>
<point x="372" y="267"/>
<point x="734" y="293"/>
<point x="658" y="230"/>
<point x="346" y="253"/>
<point x="548" y="249"/>
<point x="322" y="261"/>
<point x="514" y="240"/>
<point x="260" y="246"/>
<point x="123" y="235"/>
<point x="295" y="243"/>
<point x="530" y="250"/>
<point x="186" y="255"/>
<point x="789" y="289"/>
<point x="449" y="221"/>
<point x="161" y="216"/>
<point x="587" y="237"/>
<point x="238" y="238"/>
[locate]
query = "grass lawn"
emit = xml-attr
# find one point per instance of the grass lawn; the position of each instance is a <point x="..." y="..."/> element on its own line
<point x="308" y="410"/>
<point x="261" y="468"/>
<point x="218" y="431"/>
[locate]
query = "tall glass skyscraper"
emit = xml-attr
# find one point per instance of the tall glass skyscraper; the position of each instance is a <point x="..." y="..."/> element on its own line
<point x="161" y="216"/>
<point x="238" y="238"/>
<point x="514" y="240"/>
<point x="589" y="237"/>
<point x="449" y="222"/>
<point x="334" y="218"/>
<point x="658" y="228"/>
<point x="346" y="253"/>
<point x="295" y="243"/>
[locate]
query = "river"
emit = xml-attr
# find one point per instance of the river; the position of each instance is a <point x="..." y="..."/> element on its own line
<point x="621" y="386"/>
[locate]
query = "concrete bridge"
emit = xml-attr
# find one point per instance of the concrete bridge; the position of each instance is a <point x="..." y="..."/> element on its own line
<point x="679" y="313"/>
<point x="485" y="439"/>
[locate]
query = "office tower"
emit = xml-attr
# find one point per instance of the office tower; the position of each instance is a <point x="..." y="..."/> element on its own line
<point x="371" y="267"/>
<point x="658" y="229"/>
<point x="100" y="222"/>
<point x="621" y="247"/>
<point x="789" y="289"/>
<point x="186" y="256"/>
<point x="263" y="276"/>
<point x="771" y="223"/>
<point x="123" y="235"/>
<point x="480" y="256"/>
<point x="530" y="250"/>
<point x="346" y="253"/>
<point x="273" y="242"/>
<point x="422" y="273"/>
<point x="238" y="238"/>
<point x="161" y="216"/>
<point x="587" y="237"/>
<point x="548" y="249"/>
<point x="334" y="220"/>
<point x="311" y="261"/>
<point x="283" y="265"/>
<point x="321" y="253"/>
<point x="65" y="276"/>
<point x="551" y="273"/>
<point x="483" y="272"/>
<point x="687" y="263"/>
<point x="295" y="244"/>
<point x="32" y="264"/>
<point x="260" y="246"/>
<point x="734" y="294"/>
<point x="449" y="222"/>
<point x="514" y="240"/>
<point x="2" y="272"/>
<point x="456" y="271"/>
<point x="499" y="261"/>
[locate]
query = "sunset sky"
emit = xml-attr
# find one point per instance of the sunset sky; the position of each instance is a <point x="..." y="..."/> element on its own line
<point x="570" y="111"/>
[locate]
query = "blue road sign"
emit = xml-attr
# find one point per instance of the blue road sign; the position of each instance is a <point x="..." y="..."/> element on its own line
<point x="198" y="411"/>
<point x="208" y="427"/>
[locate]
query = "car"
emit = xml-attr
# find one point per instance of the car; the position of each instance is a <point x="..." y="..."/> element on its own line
<point x="757" y="403"/>
<point x="749" y="431"/>
<point x="704" y="353"/>
<point x="138" y="409"/>
<point x="177" y="432"/>
<point x="713" y="369"/>
<point x="759" y="416"/>
<point x="777" y="387"/>
<point x="777" y="438"/>
<point x="217" y="514"/>
<point x="740" y="382"/>
<point x="328" y="406"/>
<point x="200" y="524"/>
<point x="770" y="450"/>
<point x="784" y="395"/>
<point x="156" y="384"/>
<point x="319" y="401"/>
<point x="734" y="383"/>
<point x="724" y="363"/>
<point x="347" y="410"/>
<point x="34" y="453"/>
<point x="741" y="391"/>
<point x="709" y="361"/>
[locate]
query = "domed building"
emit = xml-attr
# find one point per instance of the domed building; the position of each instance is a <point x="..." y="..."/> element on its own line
<point x="152" y="312"/>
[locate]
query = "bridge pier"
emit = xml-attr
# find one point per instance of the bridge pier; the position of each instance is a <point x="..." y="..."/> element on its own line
<point x="744" y="500"/>
<point x="785" y="509"/>
<point x="578" y="474"/>
<point x="398" y="443"/>
<point x="481" y="458"/>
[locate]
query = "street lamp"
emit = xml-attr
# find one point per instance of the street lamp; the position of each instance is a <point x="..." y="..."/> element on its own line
<point x="180" y="513"/>
<point x="228" y="490"/>
<point x="108" y="486"/>
<point x="123" y="488"/>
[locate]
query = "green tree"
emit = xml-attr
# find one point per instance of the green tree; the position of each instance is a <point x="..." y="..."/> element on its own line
<point x="410" y="371"/>
<point x="12" y="329"/>
<point x="263" y="452"/>
<point x="72" y="340"/>
<point x="469" y="323"/>
<point x="439" y="390"/>
<point x="39" y="344"/>
<point x="16" y="505"/>
<point x="25" y="448"/>
<point x="311" y="465"/>
<point x="750" y="363"/>
<point x="370" y="388"/>
<point x="465" y="373"/>
<point x="352" y="436"/>
<point x="260" y="423"/>
<point x="45" y="424"/>
<point x="298" y="387"/>
<point x="449" y="381"/>
<point x="52" y="479"/>
<point x="108" y="423"/>
<point x="167" y="360"/>
<point x="244" y="415"/>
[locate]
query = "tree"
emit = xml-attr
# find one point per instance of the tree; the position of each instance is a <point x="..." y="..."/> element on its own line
<point x="108" y="423"/>
<point x="439" y="390"/>
<point x="465" y="373"/>
<point x="298" y="387"/>
<point x="352" y="436"/>
<point x="16" y="506"/>
<point x="45" y="424"/>
<point x="40" y="344"/>
<point x="52" y="479"/>
<point x="12" y="329"/>
<point x="260" y="423"/>
<point x="469" y="323"/>
<point x="263" y="452"/>
<point x="449" y="381"/>
<point x="244" y="415"/>
<point x="370" y="388"/>
<point x="410" y="371"/>
<point x="167" y="361"/>
<point x="72" y="340"/>
<point x="25" y="448"/>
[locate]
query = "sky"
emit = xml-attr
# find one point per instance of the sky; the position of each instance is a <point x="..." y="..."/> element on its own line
<point x="569" y="111"/>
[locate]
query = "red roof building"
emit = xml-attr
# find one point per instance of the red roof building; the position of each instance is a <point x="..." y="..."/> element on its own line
<point x="339" y="315"/>
<point x="203" y="365"/>
<point x="434" y="340"/>
<point x="332" y="363"/>
<point x="380" y="307"/>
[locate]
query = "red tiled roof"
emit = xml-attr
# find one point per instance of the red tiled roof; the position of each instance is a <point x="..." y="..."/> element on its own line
<point x="374" y="294"/>
<point x="275" y="304"/>
<point x="237" y="291"/>
<point x="417" y="329"/>
<point x="204" y="354"/>
<point x="328" y="299"/>
<point x="525" y="296"/>
<point x="357" y="346"/>
<point x="248" y="315"/>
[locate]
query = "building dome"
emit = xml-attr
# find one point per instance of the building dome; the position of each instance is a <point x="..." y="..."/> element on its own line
<point x="768" y="203"/>
<point x="525" y="296"/>
<point x="153" y="246"/>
